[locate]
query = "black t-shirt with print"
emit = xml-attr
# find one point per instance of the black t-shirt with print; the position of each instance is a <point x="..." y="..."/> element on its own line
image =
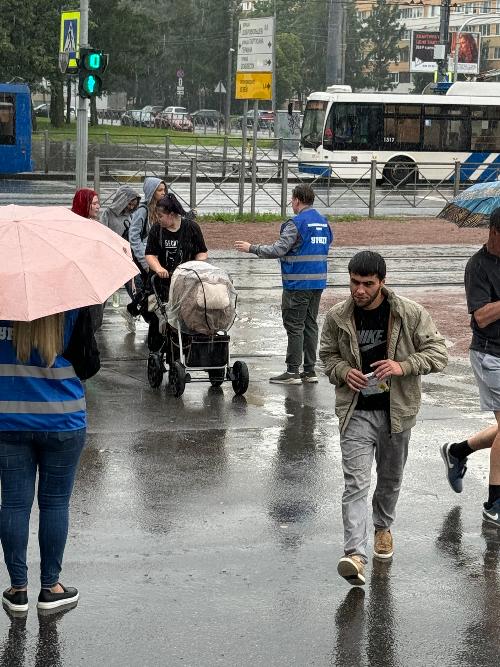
<point x="482" y="286"/>
<point x="371" y="329"/>
<point x="173" y="248"/>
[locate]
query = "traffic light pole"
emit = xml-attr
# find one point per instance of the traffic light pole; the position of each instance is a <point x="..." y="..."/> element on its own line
<point x="82" y="125"/>
<point x="444" y="36"/>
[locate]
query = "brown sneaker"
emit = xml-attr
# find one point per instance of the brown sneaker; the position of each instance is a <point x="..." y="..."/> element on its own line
<point x="352" y="569"/>
<point x="383" y="546"/>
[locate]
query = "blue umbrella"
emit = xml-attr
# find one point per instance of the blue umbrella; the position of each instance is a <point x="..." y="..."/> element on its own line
<point x="473" y="207"/>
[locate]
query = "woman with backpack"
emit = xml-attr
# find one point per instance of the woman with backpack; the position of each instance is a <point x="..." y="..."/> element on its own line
<point x="118" y="214"/>
<point x="144" y="217"/>
<point x="175" y="239"/>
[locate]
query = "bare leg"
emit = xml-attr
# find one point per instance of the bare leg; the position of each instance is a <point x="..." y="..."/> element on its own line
<point x="483" y="439"/>
<point x="495" y="456"/>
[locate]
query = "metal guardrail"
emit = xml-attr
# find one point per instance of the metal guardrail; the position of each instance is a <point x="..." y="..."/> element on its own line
<point x="56" y="152"/>
<point x="245" y="185"/>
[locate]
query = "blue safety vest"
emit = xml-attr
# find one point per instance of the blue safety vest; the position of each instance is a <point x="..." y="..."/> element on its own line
<point x="305" y="267"/>
<point x="34" y="397"/>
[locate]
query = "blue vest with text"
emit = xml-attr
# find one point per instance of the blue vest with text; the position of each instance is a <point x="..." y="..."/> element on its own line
<point x="34" y="397"/>
<point x="305" y="267"/>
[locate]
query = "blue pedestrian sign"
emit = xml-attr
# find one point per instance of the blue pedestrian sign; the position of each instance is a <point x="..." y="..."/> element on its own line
<point x="70" y="37"/>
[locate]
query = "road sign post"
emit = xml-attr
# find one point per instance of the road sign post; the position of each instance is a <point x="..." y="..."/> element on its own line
<point x="254" y="76"/>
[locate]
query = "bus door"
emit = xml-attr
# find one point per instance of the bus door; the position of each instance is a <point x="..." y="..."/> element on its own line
<point x="15" y="129"/>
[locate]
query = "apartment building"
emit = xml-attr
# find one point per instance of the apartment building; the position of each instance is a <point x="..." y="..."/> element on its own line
<point x="425" y="15"/>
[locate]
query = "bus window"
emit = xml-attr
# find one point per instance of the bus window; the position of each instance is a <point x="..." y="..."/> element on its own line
<point x="358" y="126"/>
<point x="7" y="120"/>
<point x="485" y="129"/>
<point x="312" y="126"/>
<point x="402" y="127"/>
<point x="446" y="129"/>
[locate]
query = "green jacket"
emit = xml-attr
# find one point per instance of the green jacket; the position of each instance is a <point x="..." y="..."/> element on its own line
<point x="413" y="341"/>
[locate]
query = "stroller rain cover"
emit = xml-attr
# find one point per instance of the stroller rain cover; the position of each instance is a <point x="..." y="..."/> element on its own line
<point x="202" y="299"/>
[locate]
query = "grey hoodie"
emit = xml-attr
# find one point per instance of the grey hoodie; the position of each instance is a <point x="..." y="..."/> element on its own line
<point x="137" y="243"/>
<point x="115" y="216"/>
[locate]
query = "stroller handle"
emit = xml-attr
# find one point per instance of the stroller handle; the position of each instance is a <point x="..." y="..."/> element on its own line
<point x="153" y="280"/>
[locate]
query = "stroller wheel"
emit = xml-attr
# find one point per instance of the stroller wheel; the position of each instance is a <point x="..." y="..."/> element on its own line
<point x="177" y="378"/>
<point x="241" y="377"/>
<point x="155" y="370"/>
<point x="216" y="377"/>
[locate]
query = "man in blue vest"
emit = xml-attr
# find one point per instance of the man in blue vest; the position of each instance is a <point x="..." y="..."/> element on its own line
<point x="302" y="249"/>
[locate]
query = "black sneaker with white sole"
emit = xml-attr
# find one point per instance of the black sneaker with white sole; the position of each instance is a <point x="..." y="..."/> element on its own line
<point x="49" y="600"/>
<point x="17" y="601"/>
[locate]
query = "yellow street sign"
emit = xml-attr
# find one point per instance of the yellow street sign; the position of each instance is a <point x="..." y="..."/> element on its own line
<point x="70" y="37"/>
<point x="254" y="85"/>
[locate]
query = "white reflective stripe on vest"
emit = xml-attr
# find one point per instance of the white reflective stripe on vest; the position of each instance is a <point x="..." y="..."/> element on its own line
<point x="303" y="276"/>
<point x="304" y="258"/>
<point x="42" y="407"/>
<point x="14" y="370"/>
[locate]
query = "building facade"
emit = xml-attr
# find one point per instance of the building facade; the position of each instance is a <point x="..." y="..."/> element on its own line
<point x="425" y="15"/>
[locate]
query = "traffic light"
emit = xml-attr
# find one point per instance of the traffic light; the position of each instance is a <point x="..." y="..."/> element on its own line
<point x="91" y="64"/>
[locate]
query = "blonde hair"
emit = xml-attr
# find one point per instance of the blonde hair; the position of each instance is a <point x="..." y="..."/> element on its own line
<point x="46" y="335"/>
<point x="152" y="212"/>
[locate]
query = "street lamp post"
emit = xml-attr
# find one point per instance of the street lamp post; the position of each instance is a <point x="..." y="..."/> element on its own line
<point x="471" y="19"/>
<point x="227" y="119"/>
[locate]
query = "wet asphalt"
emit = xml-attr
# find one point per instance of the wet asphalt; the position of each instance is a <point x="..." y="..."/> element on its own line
<point x="205" y="530"/>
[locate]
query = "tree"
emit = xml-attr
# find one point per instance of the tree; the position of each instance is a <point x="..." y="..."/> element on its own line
<point x="382" y="33"/>
<point x="289" y="62"/>
<point x="355" y="74"/>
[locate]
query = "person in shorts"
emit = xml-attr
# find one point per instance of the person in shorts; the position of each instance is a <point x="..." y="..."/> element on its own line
<point x="482" y="288"/>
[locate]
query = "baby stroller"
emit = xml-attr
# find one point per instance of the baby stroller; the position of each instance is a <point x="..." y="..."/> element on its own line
<point x="194" y="325"/>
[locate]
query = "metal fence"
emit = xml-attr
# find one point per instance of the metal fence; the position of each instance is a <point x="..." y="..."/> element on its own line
<point x="56" y="152"/>
<point x="250" y="185"/>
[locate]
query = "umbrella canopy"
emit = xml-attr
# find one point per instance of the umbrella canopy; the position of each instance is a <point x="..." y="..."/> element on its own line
<point x="472" y="207"/>
<point x="52" y="260"/>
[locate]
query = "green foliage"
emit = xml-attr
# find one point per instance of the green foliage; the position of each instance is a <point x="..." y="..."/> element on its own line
<point x="355" y="74"/>
<point x="289" y="62"/>
<point x="382" y="33"/>
<point x="307" y="22"/>
<point x="421" y="80"/>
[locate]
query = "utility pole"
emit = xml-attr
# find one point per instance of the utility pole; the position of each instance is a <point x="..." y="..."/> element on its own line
<point x="335" y="48"/>
<point x="444" y="38"/>
<point x="82" y="123"/>
<point x="229" y="85"/>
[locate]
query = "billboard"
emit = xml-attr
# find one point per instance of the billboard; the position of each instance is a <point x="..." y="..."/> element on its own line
<point x="422" y="51"/>
<point x="468" y="52"/>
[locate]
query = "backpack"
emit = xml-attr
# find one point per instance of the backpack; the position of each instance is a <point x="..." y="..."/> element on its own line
<point x="82" y="351"/>
<point x="144" y="230"/>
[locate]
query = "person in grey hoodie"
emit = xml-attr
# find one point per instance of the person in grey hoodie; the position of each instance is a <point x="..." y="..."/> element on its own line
<point x="125" y="202"/>
<point x="143" y="219"/>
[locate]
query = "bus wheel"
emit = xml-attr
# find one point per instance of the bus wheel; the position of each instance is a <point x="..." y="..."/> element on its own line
<point x="401" y="171"/>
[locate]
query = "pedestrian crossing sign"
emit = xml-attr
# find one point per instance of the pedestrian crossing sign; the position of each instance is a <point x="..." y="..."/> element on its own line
<point x="70" y="37"/>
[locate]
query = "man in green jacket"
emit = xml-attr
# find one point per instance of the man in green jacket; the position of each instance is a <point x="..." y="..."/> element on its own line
<point x="374" y="347"/>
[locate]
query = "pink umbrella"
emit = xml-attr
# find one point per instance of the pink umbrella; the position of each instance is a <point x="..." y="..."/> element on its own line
<point x="52" y="260"/>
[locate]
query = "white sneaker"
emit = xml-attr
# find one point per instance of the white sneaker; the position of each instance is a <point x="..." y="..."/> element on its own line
<point x="129" y="319"/>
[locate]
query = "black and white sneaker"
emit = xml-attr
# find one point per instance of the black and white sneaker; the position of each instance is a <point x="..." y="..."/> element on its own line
<point x="49" y="600"/>
<point x="17" y="601"/>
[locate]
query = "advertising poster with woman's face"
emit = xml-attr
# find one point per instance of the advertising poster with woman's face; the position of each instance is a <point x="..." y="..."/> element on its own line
<point x="468" y="52"/>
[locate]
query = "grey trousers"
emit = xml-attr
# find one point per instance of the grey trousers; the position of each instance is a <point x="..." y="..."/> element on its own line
<point x="368" y="434"/>
<point x="299" y="309"/>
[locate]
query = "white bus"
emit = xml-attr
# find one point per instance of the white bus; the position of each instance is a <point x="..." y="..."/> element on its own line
<point x="407" y="134"/>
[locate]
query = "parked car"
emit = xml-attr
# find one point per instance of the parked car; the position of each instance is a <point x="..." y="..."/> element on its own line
<point x="152" y="109"/>
<point x="169" y="119"/>
<point x="138" y="118"/>
<point x="266" y="120"/>
<point x="42" y="110"/>
<point x="208" y="117"/>
<point x="175" y="110"/>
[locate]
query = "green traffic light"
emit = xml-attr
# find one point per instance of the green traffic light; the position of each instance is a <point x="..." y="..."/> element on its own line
<point x="94" y="61"/>
<point x="90" y="84"/>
